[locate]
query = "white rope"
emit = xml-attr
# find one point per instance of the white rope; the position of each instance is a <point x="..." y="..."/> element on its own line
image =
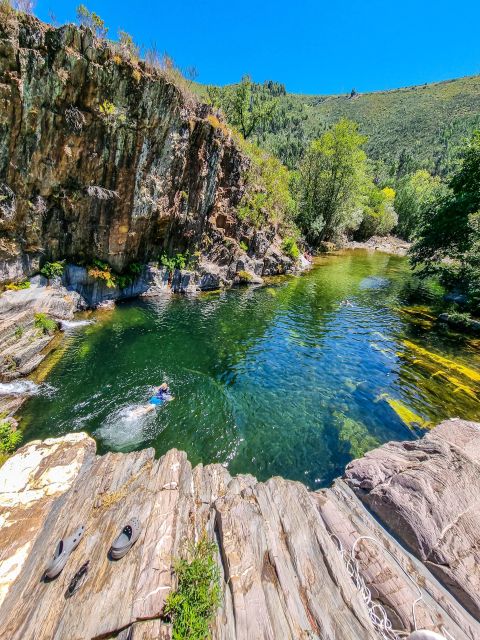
<point x="376" y="611"/>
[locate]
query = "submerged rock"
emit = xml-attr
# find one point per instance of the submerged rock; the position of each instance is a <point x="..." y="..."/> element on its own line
<point x="282" y="574"/>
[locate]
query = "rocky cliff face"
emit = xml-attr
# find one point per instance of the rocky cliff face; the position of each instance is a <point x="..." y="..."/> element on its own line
<point x="108" y="158"/>
<point x="282" y="574"/>
<point x="428" y="493"/>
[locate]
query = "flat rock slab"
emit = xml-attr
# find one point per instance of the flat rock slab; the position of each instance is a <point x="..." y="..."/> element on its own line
<point x="284" y="576"/>
<point x="428" y="494"/>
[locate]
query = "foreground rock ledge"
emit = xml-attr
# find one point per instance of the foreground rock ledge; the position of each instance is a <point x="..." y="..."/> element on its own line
<point x="282" y="576"/>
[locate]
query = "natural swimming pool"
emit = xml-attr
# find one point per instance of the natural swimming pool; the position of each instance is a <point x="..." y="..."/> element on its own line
<point x="292" y="379"/>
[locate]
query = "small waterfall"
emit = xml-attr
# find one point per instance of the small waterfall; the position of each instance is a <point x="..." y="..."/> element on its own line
<point x="71" y="325"/>
<point x="19" y="388"/>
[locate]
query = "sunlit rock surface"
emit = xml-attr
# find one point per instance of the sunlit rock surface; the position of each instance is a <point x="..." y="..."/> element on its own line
<point x="282" y="574"/>
<point x="428" y="493"/>
<point x="23" y="345"/>
<point x="29" y="484"/>
<point x="106" y="157"/>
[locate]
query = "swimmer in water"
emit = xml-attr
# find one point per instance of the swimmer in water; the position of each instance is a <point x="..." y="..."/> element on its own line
<point x="162" y="395"/>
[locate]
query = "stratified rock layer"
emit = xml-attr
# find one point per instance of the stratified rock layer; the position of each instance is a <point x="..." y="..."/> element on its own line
<point x="100" y="157"/>
<point x="428" y="493"/>
<point x="282" y="575"/>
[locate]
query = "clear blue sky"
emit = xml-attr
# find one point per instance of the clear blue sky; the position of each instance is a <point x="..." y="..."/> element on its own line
<point x="312" y="46"/>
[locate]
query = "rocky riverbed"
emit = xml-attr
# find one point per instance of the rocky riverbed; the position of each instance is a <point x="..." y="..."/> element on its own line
<point x="282" y="575"/>
<point x="385" y="244"/>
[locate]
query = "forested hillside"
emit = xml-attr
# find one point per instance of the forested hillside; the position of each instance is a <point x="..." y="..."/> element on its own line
<point x="407" y="129"/>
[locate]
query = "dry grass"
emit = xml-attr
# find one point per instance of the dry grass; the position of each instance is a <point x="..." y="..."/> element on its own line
<point x="218" y="124"/>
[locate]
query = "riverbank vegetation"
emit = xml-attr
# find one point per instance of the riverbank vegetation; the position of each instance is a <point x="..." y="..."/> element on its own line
<point x="10" y="438"/>
<point x="100" y="270"/>
<point x="45" y="324"/>
<point x="448" y="236"/>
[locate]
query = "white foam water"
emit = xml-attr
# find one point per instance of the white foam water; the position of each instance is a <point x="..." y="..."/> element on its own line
<point x="19" y="388"/>
<point x="127" y="427"/>
<point x="70" y="325"/>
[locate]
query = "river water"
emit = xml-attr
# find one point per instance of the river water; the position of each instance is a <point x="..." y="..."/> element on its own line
<point x="295" y="378"/>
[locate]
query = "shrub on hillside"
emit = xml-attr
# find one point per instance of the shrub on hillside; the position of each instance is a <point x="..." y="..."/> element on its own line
<point x="267" y="199"/>
<point x="92" y="21"/>
<point x="290" y="247"/>
<point x="128" y="46"/>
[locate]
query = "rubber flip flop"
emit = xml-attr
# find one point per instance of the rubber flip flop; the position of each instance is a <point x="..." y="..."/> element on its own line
<point x="125" y="541"/>
<point x="77" y="580"/>
<point x="62" y="553"/>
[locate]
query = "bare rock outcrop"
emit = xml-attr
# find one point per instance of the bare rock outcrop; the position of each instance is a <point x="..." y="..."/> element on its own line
<point x="427" y="492"/>
<point x="280" y="578"/>
<point x="282" y="574"/>
<point x="29" y="484"/>
<point x="23" y="345"/>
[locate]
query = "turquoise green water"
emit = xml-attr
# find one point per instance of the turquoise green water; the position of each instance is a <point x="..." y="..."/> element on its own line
<point x="292" y="379"/>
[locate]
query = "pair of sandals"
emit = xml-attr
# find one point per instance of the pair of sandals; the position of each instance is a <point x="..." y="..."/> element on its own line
<point x="120" y="547"/>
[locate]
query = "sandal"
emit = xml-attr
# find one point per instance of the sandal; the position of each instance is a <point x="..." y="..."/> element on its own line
<point x="62" y="553"/>
<point x="125" y="541"/>
<point x="77" y="580"/>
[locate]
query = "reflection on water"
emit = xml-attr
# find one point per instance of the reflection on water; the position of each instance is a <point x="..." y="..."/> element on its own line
<point x="294" y="379"/>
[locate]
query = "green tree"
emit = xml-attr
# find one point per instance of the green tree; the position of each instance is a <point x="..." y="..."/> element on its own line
<point x="379" y="215"/>
<point x="91" y="20"/>
<point x="449" y="240"/>
<point x="416" y="195"/>
<point x="248" y="107"/>
<point x="332" y="183"/>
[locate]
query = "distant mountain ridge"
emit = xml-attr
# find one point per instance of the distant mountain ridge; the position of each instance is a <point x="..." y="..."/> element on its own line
<point x="414" y="127"/>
